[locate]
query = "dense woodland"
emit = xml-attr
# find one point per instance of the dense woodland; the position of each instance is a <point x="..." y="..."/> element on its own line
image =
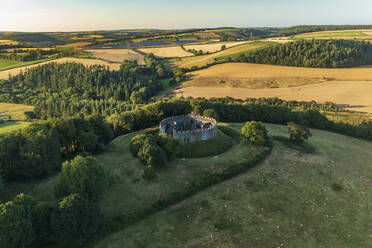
<point x="313" y="53"/>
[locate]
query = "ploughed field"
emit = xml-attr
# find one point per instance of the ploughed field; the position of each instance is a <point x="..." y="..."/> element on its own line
<point x="117" y="55"/>
<point x="345" y="86"/>
<point x="299" y="197"/>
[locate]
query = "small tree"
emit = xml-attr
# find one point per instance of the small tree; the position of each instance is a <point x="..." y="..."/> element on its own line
<point x="82" y="175"/>
<point x="149" y="173"/>
<point x="223" y="47"/>
<point x="255" y="132"/>
<point x="77" y="222"/>
<point x="152" y="155"/>
<point x="211" y="113"/>
<point x="298" y="133"/>
<point x="136" y="143"/>
<point x="16" y="228"/>
<point x="169" y="144"/>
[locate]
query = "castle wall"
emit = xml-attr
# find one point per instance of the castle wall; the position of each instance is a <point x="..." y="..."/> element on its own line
<point x="174" y="126"/>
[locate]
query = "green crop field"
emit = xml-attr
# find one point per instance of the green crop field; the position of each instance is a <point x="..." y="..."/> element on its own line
<point x="10" y="126"/>
<point x="294" y="199"/>
<point x="336" y="35"/>
<point x="9" y="64"/>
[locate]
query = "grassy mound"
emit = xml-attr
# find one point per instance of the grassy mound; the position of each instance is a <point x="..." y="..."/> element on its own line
<point x="295" y="199"/>
<point x="208" y="148"/>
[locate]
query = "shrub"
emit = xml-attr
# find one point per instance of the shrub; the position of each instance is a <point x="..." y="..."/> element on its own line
<point x="136" y="143"/>
<point x="255" y="132"/>
<point x="1" y="186"/>
<point x="298" y="133"/>
<point x="82" y="175"/>
<point x="152" y="155"/>
<point x="149" y="174"/>
<point x="170" y="145"/>
<point x="16" y="228"/>
<point x="77" y="222"/>
<point x="211" y="113"/>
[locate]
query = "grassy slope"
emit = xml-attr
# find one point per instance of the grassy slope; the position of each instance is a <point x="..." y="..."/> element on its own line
<point x="15" y="111"/>
<point x="203" y="60"/>
<point x="9" y="126"/>
<point x="334" y="35"/>
<point x="294" y="199"/>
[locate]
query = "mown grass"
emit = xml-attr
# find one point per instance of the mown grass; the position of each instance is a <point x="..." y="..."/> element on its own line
<point x="10" y="126"/>
<point x="294" y="199"/>
<point x="343" y="35"/>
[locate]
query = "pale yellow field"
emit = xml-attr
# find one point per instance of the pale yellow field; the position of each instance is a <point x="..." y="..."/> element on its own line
<point x="356" y="94"/>
<point x="87" y="62"/>
<point x="8" y="42"/>
<point x="350" y="86"/>
<point x="77" y="44"/>
<point x="117" y="55"/>
<point x="280" y="40"/>
<point x="246" y="70"/>
<point x="167" y="52"/>
<point x="214" y="47"/>
<point x="16" y="111"/>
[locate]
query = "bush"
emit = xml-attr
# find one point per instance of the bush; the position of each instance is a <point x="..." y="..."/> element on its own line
<point x="82" y="175"/>
<point x="255" y="132"/>
<point x="170" y="145"/>
<point x="77" y="222"/>
<point x="16" y="228"/>
<point x="152" y="155"/>
<point x="149" y="174"/>
<point x="298" y="133"/>
<point x="1" y="186"/>
<point x="136" y="143"/>
<point x="211" y="113"/>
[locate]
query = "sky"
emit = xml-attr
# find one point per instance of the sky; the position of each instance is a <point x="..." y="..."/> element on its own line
<point x="80" y="15"/>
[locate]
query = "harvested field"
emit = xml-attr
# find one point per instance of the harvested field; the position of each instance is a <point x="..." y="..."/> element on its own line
<point x="247" y="70"/>
<point x="356" y="94"/>
<point x="280" y="40"/>
<point x="338" y="34"/>
<point x="8" y="42"/>
<point x="117" y="55"/>
<point x="207" y="35"/>
<point x="167" y="52"/>
<point x="350" y="86"/>
<point x="204" y="60"/>
<point x="87" y="62"/>
<point x="214" y="47"/>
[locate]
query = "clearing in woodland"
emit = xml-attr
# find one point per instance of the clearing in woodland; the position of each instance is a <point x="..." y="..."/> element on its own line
<point x="14" y="111"/>
<point x="118" y="55"/>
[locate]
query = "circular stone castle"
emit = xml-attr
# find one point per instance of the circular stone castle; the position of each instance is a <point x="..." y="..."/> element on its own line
<point x="189" y="128"/>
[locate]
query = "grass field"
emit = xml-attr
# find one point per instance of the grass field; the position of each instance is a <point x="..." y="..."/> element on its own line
<point x="77" y="44"/>
<point x="8" y="64"/>
<point x="345" y="34"/>
<point x="214" y="47"/>
<point x="10" y="126"/>
<point x="293" y="199"/>
<point x="113" y="66"/>
<point x="15" y="111"/>
<point x="167" y="52"/>
<point x="117" y="55"/>
<point x="204" y="60"/>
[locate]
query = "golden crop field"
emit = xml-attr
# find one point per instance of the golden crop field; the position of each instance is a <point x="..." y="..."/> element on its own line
<point x="349" y="86"/>
<point x="117" y="55"/>
<point x="167" y="52"/>
<point x="214" y="47"/>
<point x="77" y="44"/>
<point x="203" y="60"/>
<point x="15" y="111"/>
<point x="87" y="62"/>
<point x="8" y="42"/>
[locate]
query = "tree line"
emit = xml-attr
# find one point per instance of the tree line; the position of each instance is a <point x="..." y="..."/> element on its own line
<point x="312" y="53"/>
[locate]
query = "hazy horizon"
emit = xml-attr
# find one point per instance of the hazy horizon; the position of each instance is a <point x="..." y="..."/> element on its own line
<point x="84" y="15"/>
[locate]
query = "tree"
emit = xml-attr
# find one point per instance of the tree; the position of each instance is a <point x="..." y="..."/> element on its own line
<point x="149" y="173"/>
<point x="223" y="47"/>
<point x="152" y="155"/>
<point x="298" y="133"/>
<point x="255" y="132"/>
<point x="170" y="145"/>
<point x="136" y="143"/>
<point x="82" y="175"/>
<point x="211" y="113"/>
<point x="16" y="228"/>
<point x="77" y="222"/>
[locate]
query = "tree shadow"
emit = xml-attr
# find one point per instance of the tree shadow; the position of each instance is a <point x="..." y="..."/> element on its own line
<point x="304" y="147"/>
